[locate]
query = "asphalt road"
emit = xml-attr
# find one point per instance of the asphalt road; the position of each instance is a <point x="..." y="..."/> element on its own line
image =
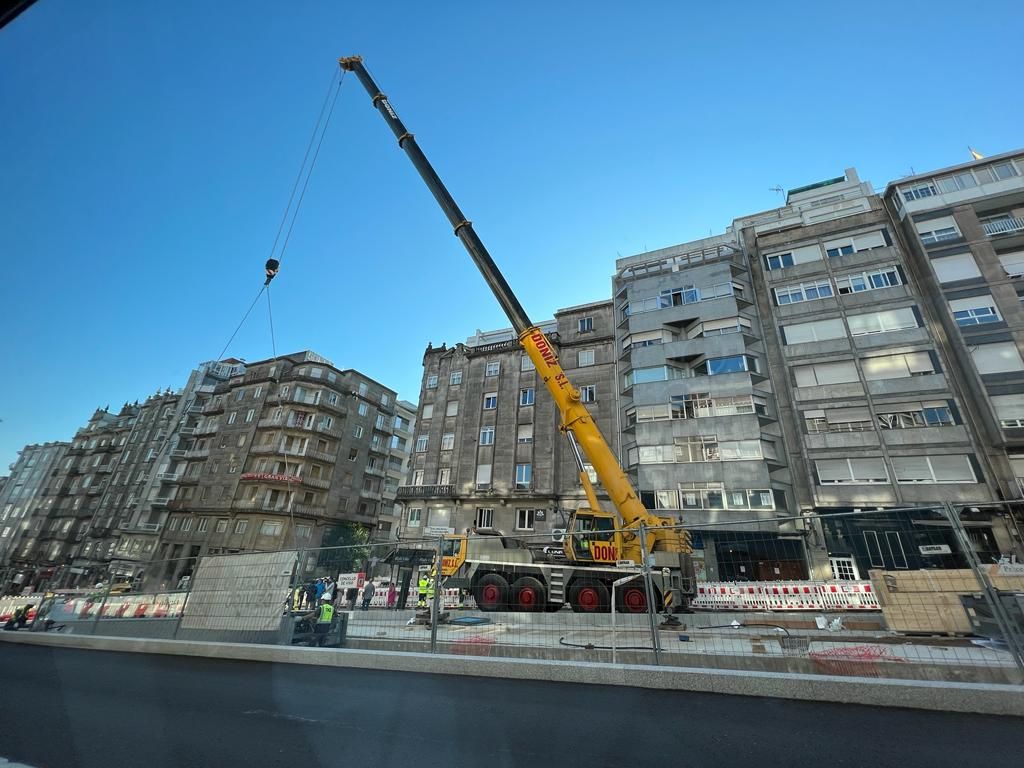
<point x="66" y="708"/>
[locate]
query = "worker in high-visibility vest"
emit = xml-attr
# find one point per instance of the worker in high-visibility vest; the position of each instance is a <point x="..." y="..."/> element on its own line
<point x="324" y="618"/>
<point x="422" y="586"/>
<point x="431" y="583"/>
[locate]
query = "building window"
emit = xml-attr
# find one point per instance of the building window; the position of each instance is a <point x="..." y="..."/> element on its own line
<point x="385" y="398"/>
<point x="869" y="281"/>
<point x="524" y="433"/>
<point x="817" y="330"/>
<point x="363" y="389"/>
<point x="173" y="524"/>
<point x="933" y="469"/>
<point x="427" y="412"/>
<point x="951" y="269"/>
<point x="417" y="477"/>
<point x="585" y="357"/>
<point x="525" y="519"/>
<point x="186" y="524"/>
<point x="432" y="381"/>
<point x="221" y="525"/>
<point x="918" y="192"/>
<point x="882" y="322"/>
<point x="203" y="525"/>
<point x="838" y="420"/>
<point x="915" y="415"/>
<point x="526" y="364"/>
<point x="415" y="517"/>
<point x="586" y="324"/>
<point x="250" y="415"/>
<point x="493" y="368"/>
<point x="779" y="260"/>
<point x="452" y="408"/>
<point x="898" y="366"/>
<point x="357" y="431"/>
<point x="526" y="396"/>
<point x="855" y="244"/>
<point x="976" y="310"/>
<point x="866" y="471"/>
<point x="825" y="373"/>
<point x="447" y="441"/>
<point x="1001" y="357"/>
<point x="232" y="416"/>
<point x="270" y="528"/>
<point x="332" y="398"/>
<point x="937" y="230"/>
<point x="483" y="476"/>
<point x="720" y="365"/>
<point x="487" y="436"/>
<point x="363" y="409"/>
<point x="490" y="401"/>
<point x="794" y="294"/>
<point x="588" y="393"/>
<point x="844" y="569"/>
<point x="303" y="531"/>
<point x="353" y="454"/>
<point x="455" y="378"/>
<point x="484" y="518"/>
<point x="239" y="395"/>
<point x="524" y="475"/>
<point x="444" y="475"/>
<point x="421" y="444"/>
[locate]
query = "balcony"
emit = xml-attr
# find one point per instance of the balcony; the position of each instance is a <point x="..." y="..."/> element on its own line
<point x="188" y="479"/>
<point x="426" y="491"/>
<point x="177" y="504"/>
<point x="168" y="477"/>
<point x="372" y="495"/>
<point x="95" y="490"/>
<point x="186" y="430"/>
<point x="378" y="471"/>
<point x="1007" y="226"/>
<point x="260" y="505"/>
<point x="320" y="455"/>
<point x="197" y="453"/>
<point x="212" y="407"/>
<point x="178" y="453"/>
<point x="269" y="477"/>
<point x="105" y="468"/>
<point x="207" y="429"/>
<point x="316" y="482"/>
<point x="160" y="501"/>
<point x="140" y="527"/>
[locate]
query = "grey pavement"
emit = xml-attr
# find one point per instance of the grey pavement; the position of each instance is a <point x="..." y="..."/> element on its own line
<point x="71" y="708"/>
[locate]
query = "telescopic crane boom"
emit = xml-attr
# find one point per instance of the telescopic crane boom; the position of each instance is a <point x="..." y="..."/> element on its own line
<point x="578" y="425"/>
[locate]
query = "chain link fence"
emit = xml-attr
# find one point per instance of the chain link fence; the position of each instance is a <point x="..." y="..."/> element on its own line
<point x="933" y="593"/>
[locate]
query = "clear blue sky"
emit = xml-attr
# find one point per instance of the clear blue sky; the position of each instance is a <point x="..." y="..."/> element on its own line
<point x="149" y="149"/>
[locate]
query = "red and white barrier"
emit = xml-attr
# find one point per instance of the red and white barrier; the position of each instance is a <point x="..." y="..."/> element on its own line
<point x="786" y="596"/>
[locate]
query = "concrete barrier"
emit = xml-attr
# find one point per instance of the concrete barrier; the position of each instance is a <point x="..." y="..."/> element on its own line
<point x="950" y="697"/>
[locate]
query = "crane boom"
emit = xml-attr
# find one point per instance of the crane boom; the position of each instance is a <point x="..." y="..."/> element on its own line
<point x="577" y="423"/>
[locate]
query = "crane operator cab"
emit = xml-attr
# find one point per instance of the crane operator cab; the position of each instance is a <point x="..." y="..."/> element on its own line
<point x="593" y="537"/>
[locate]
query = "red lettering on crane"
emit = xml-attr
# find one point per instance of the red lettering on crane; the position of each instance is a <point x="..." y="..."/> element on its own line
<point x="545" y="350"/>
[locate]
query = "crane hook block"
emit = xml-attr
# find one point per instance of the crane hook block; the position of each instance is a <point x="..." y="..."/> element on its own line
<point x="272" y="267"/>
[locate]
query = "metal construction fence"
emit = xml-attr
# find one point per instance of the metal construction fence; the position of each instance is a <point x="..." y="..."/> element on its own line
<point x="931" y="593"/>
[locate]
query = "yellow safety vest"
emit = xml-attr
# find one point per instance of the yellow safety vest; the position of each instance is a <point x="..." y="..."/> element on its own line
<point x="430" y="588"/>
<point x="326" y="614"/>
<point x="423" y="584"/>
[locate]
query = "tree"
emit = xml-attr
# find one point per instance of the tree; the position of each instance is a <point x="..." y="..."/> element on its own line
<point x="345" y="548"/>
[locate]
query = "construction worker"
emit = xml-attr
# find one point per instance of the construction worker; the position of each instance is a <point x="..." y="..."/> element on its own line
<point x="324" y="618"/>
<point x="422" y="587"/>
<point x="431" y="583"/>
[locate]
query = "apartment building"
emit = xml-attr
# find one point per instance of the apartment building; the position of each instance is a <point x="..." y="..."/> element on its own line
<point x="963" y="229"/>
<point x="399" y="465"/>
<point x="281" y="452"/>
<point x="22" y="499"/>
<point x="699" y="420"/>
<point x="869" y="403"/>
<point x="488" y="453"/>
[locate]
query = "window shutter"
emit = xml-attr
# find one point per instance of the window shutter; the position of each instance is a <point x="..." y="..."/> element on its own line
<point x="953" y="268"/>
<point x="953" y="469"/>
<point x="868" y="469"/>
<point x="1008" y="406"/>
<point x="832" y="470"/>
<point x="835" y="373"/>
<point x="483" y="474"/>
<point x="868" y="241"/>
<point x="997" y="358"/>
<point x="1013" y="263"/>
<point x="911" y="469"/>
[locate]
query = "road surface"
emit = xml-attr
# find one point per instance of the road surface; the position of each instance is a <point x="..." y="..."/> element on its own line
<point x="73" y="708"/>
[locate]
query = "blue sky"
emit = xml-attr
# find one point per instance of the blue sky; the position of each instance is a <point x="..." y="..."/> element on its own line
<point x="150" y="149"/>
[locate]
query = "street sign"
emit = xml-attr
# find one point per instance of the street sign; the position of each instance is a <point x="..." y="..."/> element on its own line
<point x="437" y="530"/>
<point x="935" y="549"/>
<point x="625" y="564"/>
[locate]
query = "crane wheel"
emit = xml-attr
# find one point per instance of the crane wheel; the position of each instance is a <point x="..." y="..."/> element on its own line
<point x="632" y="599"/>
<point x="491" y="592"/>
<point x="589" y="596"/>
<point x="527" y="595"/>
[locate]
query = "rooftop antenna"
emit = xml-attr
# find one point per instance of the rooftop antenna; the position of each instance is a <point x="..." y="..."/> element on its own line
<point x="776" y="188"/>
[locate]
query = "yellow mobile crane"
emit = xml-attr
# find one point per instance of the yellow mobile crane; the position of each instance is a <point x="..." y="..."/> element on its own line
<point x="596" y="540"/>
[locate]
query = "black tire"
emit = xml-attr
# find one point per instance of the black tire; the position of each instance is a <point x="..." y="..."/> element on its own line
<point x="491" y="592"/>
<point x="527" y="594"/>
<point x="632" y="597"/>
<point x="589" y="596"/>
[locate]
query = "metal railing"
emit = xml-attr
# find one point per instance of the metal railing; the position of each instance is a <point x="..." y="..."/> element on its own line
<point x="1007" y="226"/>
<point x="426" y="491"/>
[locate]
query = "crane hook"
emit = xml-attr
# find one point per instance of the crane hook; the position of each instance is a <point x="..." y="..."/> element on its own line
<point x="273" y="265"/>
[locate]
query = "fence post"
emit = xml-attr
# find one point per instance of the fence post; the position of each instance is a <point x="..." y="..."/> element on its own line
<point x="99" y="611"/>
<point x="1014" y="640"/>
<point x="434" y="612"/>
<point x="649" y="588"/>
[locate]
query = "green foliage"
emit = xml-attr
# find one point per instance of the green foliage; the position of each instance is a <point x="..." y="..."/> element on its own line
<point x="345" y="549"/>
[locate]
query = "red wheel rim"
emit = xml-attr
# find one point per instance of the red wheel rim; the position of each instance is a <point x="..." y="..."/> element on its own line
<point x="527" y="597"/>
<point x="589" y="599"/>
<point x="635" y="600"/>
<point x="491" y="594"/>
